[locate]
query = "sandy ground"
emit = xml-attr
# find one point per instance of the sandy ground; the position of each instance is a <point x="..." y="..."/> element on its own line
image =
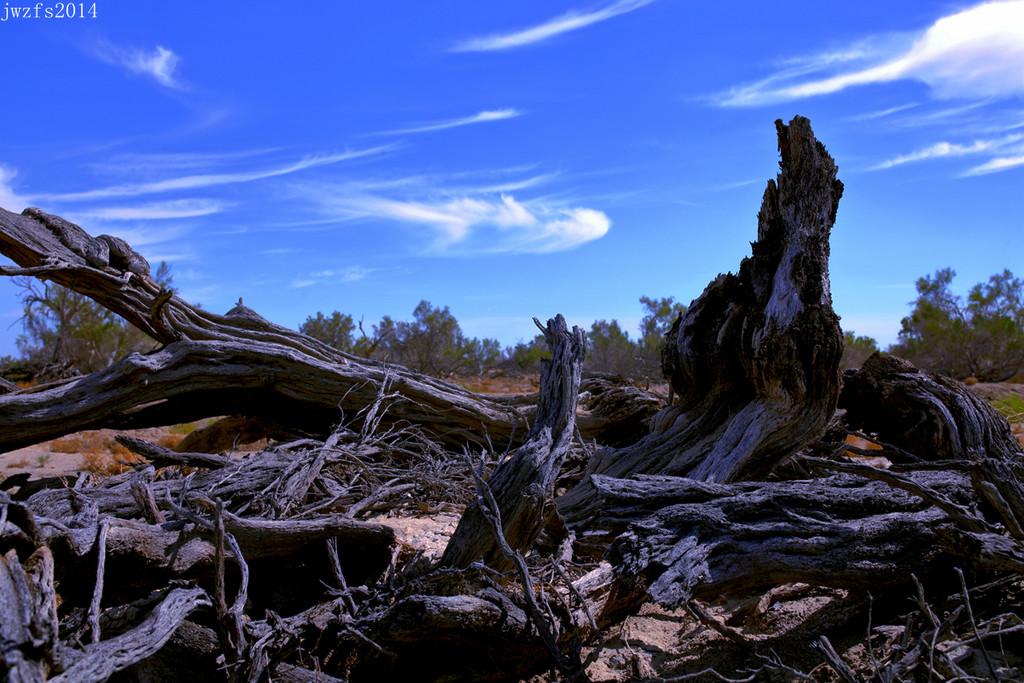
<point x="91" y="451"/>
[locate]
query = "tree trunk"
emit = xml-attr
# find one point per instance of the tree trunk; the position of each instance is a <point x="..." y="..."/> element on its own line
<point x="522" y="483"/>
<point x="754" y="361"/>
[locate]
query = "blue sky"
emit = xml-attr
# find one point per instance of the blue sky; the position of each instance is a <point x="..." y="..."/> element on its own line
<point x="512" y="159"/>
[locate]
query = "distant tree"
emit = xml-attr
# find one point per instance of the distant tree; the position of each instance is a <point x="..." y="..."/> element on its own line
<point x="611" y="350"/>
<point x="856" y="350"/>
<point x="61" y="327"/>
<point x="982" y="337"/>
<point x="996" y="312"/>
<point x="526" y="357"/>
<point x="481" y="354"/>
<point x="433" y="343"/>
<point x="336" y="330"/>
<point x="659" y="315"/>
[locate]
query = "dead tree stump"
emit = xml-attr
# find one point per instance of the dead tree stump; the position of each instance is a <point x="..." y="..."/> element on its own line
<point x="754" y="361"/>
<point x="522" y="483"/>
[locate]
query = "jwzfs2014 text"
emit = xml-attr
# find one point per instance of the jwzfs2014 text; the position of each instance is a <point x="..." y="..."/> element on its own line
<point x="58" y="10"/>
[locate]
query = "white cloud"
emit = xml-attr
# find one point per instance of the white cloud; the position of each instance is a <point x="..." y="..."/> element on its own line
<point x="996" y="165"/>
<point x="578" y="226"/>
<point x="139" y="236"/>
<point x="725" y="187"/>
<point x="481" y="117"/>
<point x="9" y="199"/>
<point x="159" y="64"/>
<point x="347" y="274"/>
<point x="479" y="224"/>
<point x="949" y="149"/>
<point x="171" y="162"/>
<point x="569" y="21"/>
<point x="974" y="53"/>
<point x="169" y="257"/>
<point x="192" y="182"/>
<point x="178" y="208"/>
<point x="882" y="113"/>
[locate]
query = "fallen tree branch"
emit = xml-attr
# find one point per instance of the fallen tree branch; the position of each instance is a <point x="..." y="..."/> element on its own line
<point x="101" y="660"/>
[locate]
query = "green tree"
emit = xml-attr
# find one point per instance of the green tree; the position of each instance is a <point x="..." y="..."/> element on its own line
<point x="856" y="350"/>
<point x="996" y="311"/>
<point x="62" y="328"/>
<point x="525" y="357"/>
<point x="982" y="337"/>
<point x="335" y="330"/>
<point x="659" y="315"/>
<point x="433" y="343"/>
<point x="611" y="350"/>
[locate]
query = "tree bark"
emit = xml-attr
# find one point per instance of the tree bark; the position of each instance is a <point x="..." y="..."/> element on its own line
<point x="189" y="380"/>
<point x="754" y="361"/>
<point x="239" y="360"/>
<point x="673" y="539"/>
<point x="933" y="417"/>
<point x="522" y="483"/>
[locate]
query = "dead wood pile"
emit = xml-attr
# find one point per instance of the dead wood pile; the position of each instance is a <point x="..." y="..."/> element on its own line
<point x="738" y="509"/>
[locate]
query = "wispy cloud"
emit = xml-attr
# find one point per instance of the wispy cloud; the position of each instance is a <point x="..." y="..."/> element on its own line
<point x="9" y="199"/>
<point x="160" y="63"/>
<point x="941" y="150"/>
<point x="570" y="21"/>
<point x="960" y="115"/>
<point x="476" y="224"/>
<point x="996" y="165"/>
<point x="347" y="274"/>
<point x="724" y="187"/>
<point x="977" y="52"/>
<point x="192" y="182"/>
<point x="145" y="236"/>
<point x="482" y="117"/>
<point x="172" y="162"/>
<point x="882" y="113"/>
<point x="178" y="208"/>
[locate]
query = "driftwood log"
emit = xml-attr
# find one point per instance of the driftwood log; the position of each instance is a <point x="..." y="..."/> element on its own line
<point x="285" y="564"/>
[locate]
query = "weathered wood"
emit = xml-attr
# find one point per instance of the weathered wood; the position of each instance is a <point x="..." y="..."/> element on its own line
<point x="615" y="413"/>
<point x="244" y="483"/>
<point x="101" y="660"/>
<point x="189" y="380"/>
<point x="28" y="616"/>
<point x="136" y="544"/>
<point x="753" y="365"/>
<point x="522" y="483"/>
<point x="262" y="359"/>
<point x="483" y="637"/>
<point x="933" y="417"/>
<point x="754" y="361"/>
<point x="165" y="457"/>
<point x="673" y="539"/>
